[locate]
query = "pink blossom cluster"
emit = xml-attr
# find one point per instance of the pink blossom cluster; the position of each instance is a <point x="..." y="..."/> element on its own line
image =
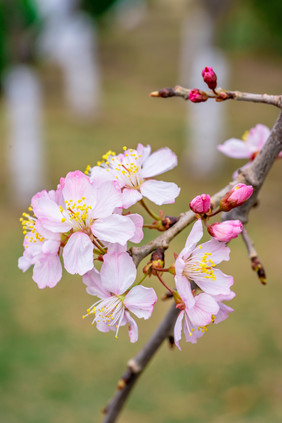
<point x="82" y="222"/>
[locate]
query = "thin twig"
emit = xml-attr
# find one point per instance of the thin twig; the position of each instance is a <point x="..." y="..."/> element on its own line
<point x="221" y="95"/>
<point x="253" y="256"/>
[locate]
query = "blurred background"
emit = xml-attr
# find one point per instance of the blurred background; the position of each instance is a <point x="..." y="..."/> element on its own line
<point x="75" y="80"/>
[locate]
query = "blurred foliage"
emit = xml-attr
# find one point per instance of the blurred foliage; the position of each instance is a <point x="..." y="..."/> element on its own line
<point x="253" y="25"/>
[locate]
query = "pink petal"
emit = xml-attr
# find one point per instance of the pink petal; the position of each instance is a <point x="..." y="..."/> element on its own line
<point x="78" y="254"/>
<point x="143" y="151"/>
<point x="258" y="137"/>
<point x="223" y="313"/>
<point x="130" y="196"/>
<point x="76" y="186"/>
<point x="114" y="228"/>
<point x="94" y="285"/>
<point x="140" y="301"/>
<point x="200" y="314"/>
<point x="235" y="148"/>
<point x="159" y="162"/>
<point x="50" y="215"/>
<point x="47" y="271"/>
<point x="108" y="198"/>
<point x="160" y="192"/>
<point x="118" y="272"/>
<point x="219" y="251"/>
<point x="133" y="328"/>
<point x="24" y="263"/>
<point x="195" y="235"/>
<point x="183" y="287"/>
<point x="178" y="329"/>
<point x="138" y="222"/>
<point x="221" y="284"/>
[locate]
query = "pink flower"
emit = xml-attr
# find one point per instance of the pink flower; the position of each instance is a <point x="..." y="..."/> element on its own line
<point x="42" y="252"/>
<point x="209" y="77"/>
<point x="196" y="265"/>
<point x="194" y="315"/>
<point x="197" y="96"/>
<point x="224" y="310"/>
<point x="236" y="197"/>
<point x="225" y="231"/>
<point x="200" y="204"/>
<point x="117" y="299"/>
<point x="249" y="146"/>
<point x="133" y="171"/>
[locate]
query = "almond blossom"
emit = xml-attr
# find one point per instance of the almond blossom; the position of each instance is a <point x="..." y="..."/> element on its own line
<point x="113" y="285"/>
<point x="196" y="264"/>
<point x="133" y="171"/>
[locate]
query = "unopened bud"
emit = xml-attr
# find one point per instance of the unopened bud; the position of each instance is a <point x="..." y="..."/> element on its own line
<point x="236" y="197"/>
<point x="209" y="77"/>
<point x="197" y="96"/>
<point x="225" y="231"/>
<point x="200" y="204"/>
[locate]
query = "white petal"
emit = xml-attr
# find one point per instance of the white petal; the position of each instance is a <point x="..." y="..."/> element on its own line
<point x="48" y="271"/>
<point x="159" y="162"/>
<point x="140" y="301"/>
<point x="118" y="272"/>
<point x="78" y="254"/>
<point x="114" y="228"/>
<point x="130" y="196"/>
<point x="178" y="329"/>
<point x="235" y="148"/>
<point x="133" y="328"/>
<point x="195" y="235"/>
<point x="108" y="197"/>
<point x="94" y="285"/>
<point x="160" y="192"/>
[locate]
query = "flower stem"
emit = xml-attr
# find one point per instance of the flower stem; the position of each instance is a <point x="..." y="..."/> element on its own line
<point x="164" y="284"/>
<point x="151" y="213"/>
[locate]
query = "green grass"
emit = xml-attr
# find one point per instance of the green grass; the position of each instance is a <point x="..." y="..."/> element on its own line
<point x="54" y="366"/>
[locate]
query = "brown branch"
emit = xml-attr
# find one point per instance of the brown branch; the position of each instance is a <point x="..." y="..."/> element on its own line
<point x="137" y="365"/>
<point x="253" y="256"/>
<point x="221" y="95"/>
<point x="255" y="175"/>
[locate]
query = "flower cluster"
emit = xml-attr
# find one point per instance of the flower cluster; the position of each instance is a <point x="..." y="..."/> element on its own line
<point x="84" y="223"/>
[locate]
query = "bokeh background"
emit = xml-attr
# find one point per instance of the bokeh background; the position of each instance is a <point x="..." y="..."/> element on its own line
<point x="54" y="366"/>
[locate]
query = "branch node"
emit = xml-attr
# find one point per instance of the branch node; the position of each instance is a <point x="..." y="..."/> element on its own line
<point x="134" y="366"/>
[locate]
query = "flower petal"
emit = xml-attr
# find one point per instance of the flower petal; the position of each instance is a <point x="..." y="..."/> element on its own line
<point x="159" y="162"/>
<point x="205" y="306"/>
<point x="78" y="254"/>
<point x="178" y="329"/>
<point x="133" y="328"/>
<point x="140" y="301"/>
<point x="195" y="235"/>
<point x="114" y="228"/>
<point x="220" y="285"/>
<point x="218" y="250"/>
<point x="47" y="271"/>
<point x="235" y="148"/>
<point x="138" y="222"/>
<point x="76" y="186"/>
<point x="130" y="196"/>
<point x="94" y="285"/>
<point x="108" y="198"/>
<point x="160" y="192"/>
<point x="118" y="272"/>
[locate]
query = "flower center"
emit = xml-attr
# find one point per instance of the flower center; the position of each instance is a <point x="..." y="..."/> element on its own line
<point x="78" y="213"/>
<point x="109" y="311"/>
<point x="203" y="266"/>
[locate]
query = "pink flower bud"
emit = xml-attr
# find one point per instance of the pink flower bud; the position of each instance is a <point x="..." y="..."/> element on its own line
<point x="197" y="96"/>
<point x="237" y="196"/>
<point x="210" y="77"/>
<point x="225" y="231"/>
<point x="200" y="204"/>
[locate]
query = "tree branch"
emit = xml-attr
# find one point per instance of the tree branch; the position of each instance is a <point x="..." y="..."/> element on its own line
<point x="221" y="95"/>
<point x="137" y="365"/>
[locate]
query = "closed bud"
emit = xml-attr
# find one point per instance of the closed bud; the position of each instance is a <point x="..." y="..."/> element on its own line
<point x="209" y="77"/>
<point x="197" y="96"/>
<point x="236" y="197"/>
<point x="200" y="204"/>
<point x="225" y="231"/>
